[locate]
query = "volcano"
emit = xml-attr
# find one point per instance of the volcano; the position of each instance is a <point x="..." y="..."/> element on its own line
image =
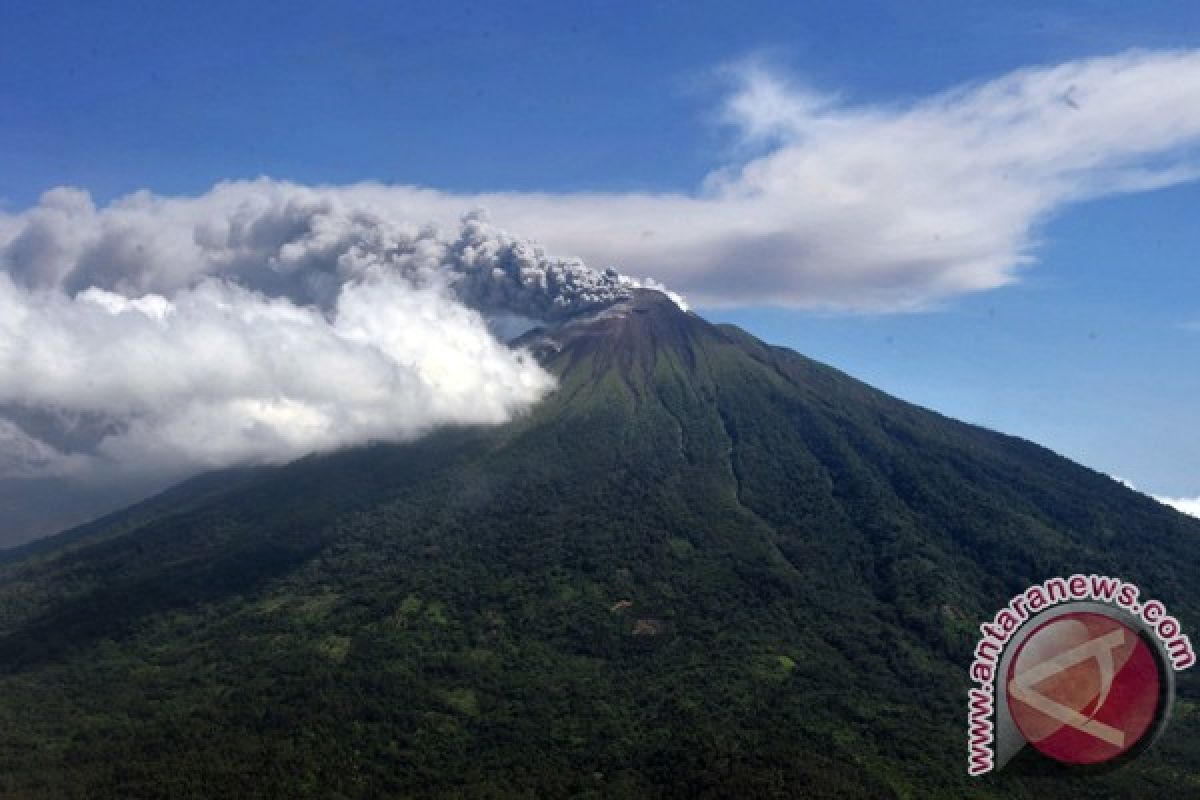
<point x="702" y="567"/>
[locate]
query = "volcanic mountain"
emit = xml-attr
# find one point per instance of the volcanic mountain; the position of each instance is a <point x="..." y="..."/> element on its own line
<point x="702" y="567"/>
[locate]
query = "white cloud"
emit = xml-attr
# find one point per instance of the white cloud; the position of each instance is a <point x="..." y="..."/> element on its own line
<point x="1188" y="505"/>
<point x="884" y="207"/>
<point x="218" y="374"/>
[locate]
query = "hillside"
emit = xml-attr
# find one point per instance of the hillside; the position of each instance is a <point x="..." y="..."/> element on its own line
<point x="704" y="567"/>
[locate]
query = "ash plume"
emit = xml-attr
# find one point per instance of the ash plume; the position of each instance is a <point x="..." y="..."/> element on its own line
<point x="256" y="323"/>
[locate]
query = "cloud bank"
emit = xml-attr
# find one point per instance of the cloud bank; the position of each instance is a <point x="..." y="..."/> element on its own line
<point x="263" y="320"/>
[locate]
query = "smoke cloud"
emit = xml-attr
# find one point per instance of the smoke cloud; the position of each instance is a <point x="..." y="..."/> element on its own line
<point x="885" y="207"/>
<point x="255" y="324"/>
<point x="289" y="241"/>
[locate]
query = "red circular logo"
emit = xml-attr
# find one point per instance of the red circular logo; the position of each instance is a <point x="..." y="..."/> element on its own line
<point x="1084" y="688"/>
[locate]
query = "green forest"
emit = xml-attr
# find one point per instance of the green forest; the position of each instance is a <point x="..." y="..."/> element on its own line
<point x="703" y="568"/>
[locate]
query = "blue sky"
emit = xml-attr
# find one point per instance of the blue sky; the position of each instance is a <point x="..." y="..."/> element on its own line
<point x="1093" y="351"/>
<point x="118" y="96"/>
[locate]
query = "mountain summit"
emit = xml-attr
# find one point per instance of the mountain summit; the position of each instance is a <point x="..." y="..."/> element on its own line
<point x="642" y="325"/>
<point x="702" y="567"/>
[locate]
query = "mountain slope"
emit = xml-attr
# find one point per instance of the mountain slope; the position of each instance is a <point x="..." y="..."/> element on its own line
<point x="702" y="567"/>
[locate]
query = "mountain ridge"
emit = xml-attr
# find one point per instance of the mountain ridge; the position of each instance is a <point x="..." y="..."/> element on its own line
<point x="697" y="542"/>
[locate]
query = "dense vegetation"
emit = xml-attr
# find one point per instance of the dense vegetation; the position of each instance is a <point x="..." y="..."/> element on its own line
<point x="703" y="568"/>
